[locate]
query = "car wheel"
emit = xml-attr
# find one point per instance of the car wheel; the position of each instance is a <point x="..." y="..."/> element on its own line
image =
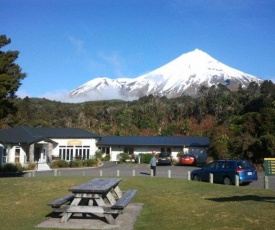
<point x="196" y="178"/>
<point x="245" y="183"/>
<point x="227" y="181"/>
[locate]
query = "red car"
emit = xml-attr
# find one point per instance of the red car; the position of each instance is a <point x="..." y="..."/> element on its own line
<point x="188" y="159"/>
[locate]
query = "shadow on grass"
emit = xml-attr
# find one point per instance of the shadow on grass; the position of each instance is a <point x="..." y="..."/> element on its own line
<point x="78" y="216"/>
<point x="145" y="173"/>
<point x="12" y="174"/>
<point x="244" y="198"/>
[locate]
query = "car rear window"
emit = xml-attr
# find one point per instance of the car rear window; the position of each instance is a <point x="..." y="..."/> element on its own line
<point x="244" y="165"/>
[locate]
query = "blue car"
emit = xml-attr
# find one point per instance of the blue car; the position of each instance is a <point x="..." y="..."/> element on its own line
<point x="224" y="171"/>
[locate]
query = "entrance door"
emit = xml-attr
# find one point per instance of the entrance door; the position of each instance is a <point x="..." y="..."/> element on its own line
<point x="37" y="154"/>
<point x="40" y="154"/>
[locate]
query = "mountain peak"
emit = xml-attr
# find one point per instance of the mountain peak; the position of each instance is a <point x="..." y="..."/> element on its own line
<point x="183" y="75"/>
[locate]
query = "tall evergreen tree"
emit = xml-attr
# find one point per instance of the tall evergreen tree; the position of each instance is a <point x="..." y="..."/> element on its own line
<point x="10" y="80"/>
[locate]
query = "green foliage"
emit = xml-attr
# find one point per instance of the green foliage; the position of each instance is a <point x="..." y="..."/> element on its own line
<point x="90" y="162"/>
<point x="122" y="157"/>
<point x="10" y="81"/>
<point x="9" y="167"/>
<point x="62" y="164"/>
<point x="98" y="154"/>
<point x="107" y="157"/>
<point x="75" y="163"/>
<point x="145" y="157"/>
<point x="220" y="147"/>
<point x="170" y="130"/>
<point x="31" y="166"/>
<point x="54" y="164"/>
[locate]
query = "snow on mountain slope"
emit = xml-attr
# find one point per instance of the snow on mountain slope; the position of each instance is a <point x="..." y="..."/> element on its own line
<point x="184" y="75"/>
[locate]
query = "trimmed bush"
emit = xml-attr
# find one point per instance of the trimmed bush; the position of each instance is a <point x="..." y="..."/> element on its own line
<point x="31" y="166"/>
<point x="9" y="167"/>
<point x="98" y="154"/>
<point x="122" y="157"/>
<point x="90" y="162"/>
<point x="54" y="164"/>
<point x="145" y="158"/>
<point x="107" y="157"/>
<point x="62" y="164"/>
<point x="75" y="163"/>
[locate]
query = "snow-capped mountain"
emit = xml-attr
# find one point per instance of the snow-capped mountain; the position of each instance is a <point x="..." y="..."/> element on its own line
<point x="182" y="76"/>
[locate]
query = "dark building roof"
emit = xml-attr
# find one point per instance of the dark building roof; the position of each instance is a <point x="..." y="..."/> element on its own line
<point x="154" y="141"/>
<point x="28" y="135"/>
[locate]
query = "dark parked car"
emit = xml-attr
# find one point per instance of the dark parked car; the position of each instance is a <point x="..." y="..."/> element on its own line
<point x="224" y="171"/>
<point x="164" y="159"/>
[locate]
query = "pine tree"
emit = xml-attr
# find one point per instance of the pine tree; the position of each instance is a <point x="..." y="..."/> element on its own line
<point x="10" y="80"/>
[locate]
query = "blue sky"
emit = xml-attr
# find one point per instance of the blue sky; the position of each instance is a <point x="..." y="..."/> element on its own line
<point x="65" y="43"/>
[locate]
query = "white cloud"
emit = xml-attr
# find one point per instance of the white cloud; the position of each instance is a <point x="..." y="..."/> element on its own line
<point x="22" y="94"/>
<point x="115" y="61"/>
<point x="64" y="96"/>
<point x="78" y="44"/>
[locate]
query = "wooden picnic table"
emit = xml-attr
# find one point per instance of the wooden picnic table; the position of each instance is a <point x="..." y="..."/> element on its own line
<point x="98" y="196"/>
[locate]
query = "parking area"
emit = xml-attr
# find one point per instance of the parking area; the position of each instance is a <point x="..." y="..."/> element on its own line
<point x="142" y="170"/>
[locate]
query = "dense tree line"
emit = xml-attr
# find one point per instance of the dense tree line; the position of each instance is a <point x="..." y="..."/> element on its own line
<point x="240" y="124"/>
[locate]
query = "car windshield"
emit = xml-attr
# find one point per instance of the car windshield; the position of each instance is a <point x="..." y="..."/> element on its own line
<point x="164" y="155"/>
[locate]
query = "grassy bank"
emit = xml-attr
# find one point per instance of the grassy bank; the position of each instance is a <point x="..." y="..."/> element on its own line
<point x="167" y="203"/>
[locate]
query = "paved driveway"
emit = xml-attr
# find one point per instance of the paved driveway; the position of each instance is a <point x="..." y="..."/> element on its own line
<point x="141" y="170"/>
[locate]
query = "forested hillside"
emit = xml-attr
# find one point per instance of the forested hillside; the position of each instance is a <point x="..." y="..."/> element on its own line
<point x="240" y="124"/>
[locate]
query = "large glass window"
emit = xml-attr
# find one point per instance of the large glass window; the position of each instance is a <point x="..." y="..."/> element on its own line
<point x="70" y="153"/>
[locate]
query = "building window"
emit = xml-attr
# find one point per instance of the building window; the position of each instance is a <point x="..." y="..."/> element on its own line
<point x="70" y="153"/>
<point x="104" y="150"/>
<point x="17" y="154"/>
<point x="5" y="155"/>
<point x="129" y="150"/>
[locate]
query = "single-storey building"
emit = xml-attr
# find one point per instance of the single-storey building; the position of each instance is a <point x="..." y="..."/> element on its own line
<point x="32" y="144"/>
<point x="27" y="144"/>
<point x="134" y="145"/>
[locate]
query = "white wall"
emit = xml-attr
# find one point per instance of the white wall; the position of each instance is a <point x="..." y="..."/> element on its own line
<point x="114" y="151"/>
<point x="11" y="154"/>
<point x="70" y="142"/>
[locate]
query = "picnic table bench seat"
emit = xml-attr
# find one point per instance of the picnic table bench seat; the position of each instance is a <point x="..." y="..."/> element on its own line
<point x="119" y="206"/>
<point x="63" y="200"/>
<point x="125" y="199"/>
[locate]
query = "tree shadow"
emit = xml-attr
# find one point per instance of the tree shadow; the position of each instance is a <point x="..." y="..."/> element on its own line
<point x="270" y="199"/>
<point x="12" y="174"/>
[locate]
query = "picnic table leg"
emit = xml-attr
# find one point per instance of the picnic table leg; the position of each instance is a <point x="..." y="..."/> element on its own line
<point x="111" y="198"/>
<point x="100" y="202"/>
<point x="118" y="192"/>
<point x="110" y="219"/>
<point x="66" y="216"/>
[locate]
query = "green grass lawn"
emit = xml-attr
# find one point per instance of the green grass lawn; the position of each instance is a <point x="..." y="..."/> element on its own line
<point x="167" y="203"/>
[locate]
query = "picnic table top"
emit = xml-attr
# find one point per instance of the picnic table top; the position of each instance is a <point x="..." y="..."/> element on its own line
<point x="97" y="185"/>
